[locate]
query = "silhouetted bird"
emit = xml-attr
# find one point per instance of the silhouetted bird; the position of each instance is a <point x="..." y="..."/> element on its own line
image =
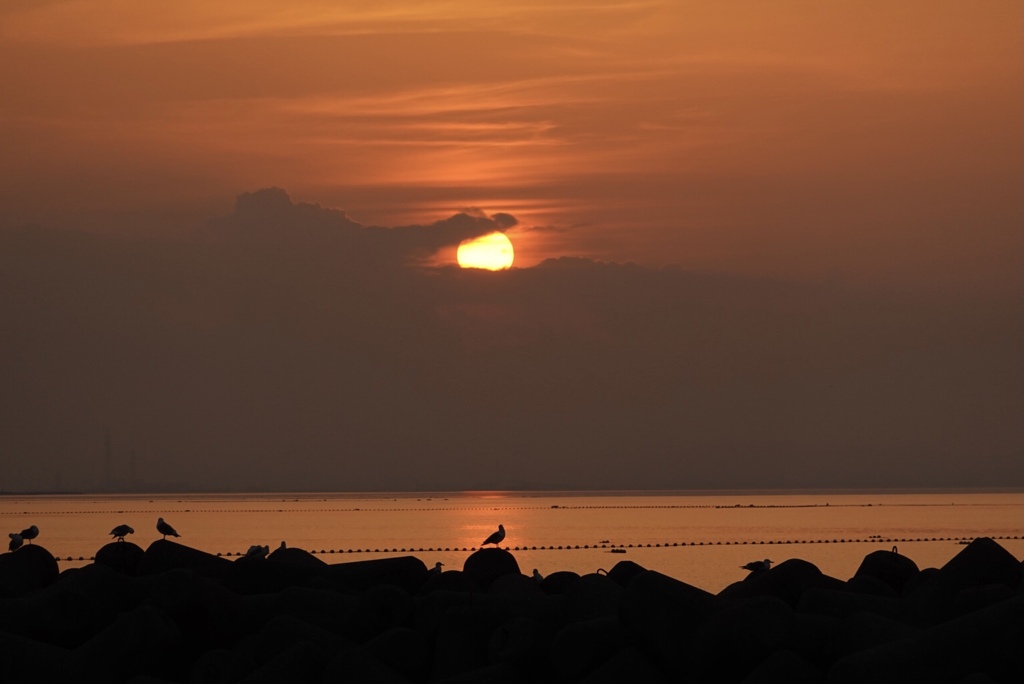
<point x="495" y="538"/>
<point x="165" y="529"/>
<point x="758" y="566"/>
<point x="121" y="531"/>
<point x="537" y="577"/>
<point x="16" y="541"/>
<point x="30" y="533"/>
<point x="257" y="551"/>
<point x="436" y="570"/>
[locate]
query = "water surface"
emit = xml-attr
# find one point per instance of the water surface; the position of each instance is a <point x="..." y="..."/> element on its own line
<point x="699" y="538"/>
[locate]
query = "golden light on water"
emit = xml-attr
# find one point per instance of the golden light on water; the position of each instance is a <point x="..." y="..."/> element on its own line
<point x="492" y="252"/>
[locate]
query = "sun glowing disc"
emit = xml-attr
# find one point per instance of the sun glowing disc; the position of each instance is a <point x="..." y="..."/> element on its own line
<point x="492" y="251"/>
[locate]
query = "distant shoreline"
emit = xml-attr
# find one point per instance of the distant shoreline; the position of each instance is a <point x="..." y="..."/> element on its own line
<point x="526" y="493"/>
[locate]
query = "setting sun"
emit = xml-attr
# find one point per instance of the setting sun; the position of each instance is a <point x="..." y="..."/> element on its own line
<point x="492" y="252"/>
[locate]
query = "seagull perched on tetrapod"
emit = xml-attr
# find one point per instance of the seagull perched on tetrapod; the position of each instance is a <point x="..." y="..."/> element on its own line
<point x="16" y="541"/>
<point x="495" y="538"/>
<point x="758" y="566"/>
<point x="165" y="529"/>
<point x="30" y="533"/>
<point x="121" y="531"/>
<point x="257" y="551"/>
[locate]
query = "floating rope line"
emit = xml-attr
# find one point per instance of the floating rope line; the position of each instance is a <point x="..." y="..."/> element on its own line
<point x="610" y="546"/>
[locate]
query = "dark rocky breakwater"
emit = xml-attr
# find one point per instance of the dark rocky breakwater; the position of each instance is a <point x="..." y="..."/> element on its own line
<point x="175" y="614"/>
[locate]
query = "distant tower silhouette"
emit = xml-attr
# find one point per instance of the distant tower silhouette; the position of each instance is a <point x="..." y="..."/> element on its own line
<point x="107" y="458"/>
<point x="131" y="470"/>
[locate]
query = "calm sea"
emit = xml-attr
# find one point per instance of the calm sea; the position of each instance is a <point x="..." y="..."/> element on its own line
<point x="699" y="538"/>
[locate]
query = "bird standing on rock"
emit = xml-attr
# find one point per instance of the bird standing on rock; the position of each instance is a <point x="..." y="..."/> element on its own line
<point x="121" y="531"/>
<point x="436" y="570"/>
<point x="165" y="529"/>
<point x="758" y="566"/>
<point x="257" y="551"/>
<point x="16" y="541"/>
<point x="495" y="538"/>
<point x="30" y="533"/>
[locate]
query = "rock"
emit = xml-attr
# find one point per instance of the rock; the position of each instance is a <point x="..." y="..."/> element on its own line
<point x="933" y="593"/>
<point x="462" y="639"/>
<point x="891" y="568"/>
<point x="124" y="557"/>
<point x="544" y="609"/>
<point x="784" y="666"/>
<point x="980" y="563"/>
<point x="163" y="556"/>
<point x="736" y="640"/>
<point x="515" y="585"/>
<point x="986" y="641"/>
<point x="407" y="572"/>
<point x="328" y="610"/>
<point x="812" y="638"/>
<point x="284" y="630"/>
<point x="500" y="673"/>
<point x="864" y="630"/>
<point x="865" y="584"/>
<point x="628" y="665"/>
<point x="580" y="647"/>
<point x="29" y="568"/>
<point x="430" y="608"/>
<point x="296" y="557"/>
<point x="117" y="593"/>
<point x="449" y="580"/>
<point x="841" y="604"/>
<point x="57" y="615"/>
<point x="377" y="610"/>
<point x="558" y="582"/>
<point x="486" y="565"/>
<point x="786" y="581"/>
<point x="28" y="660"/>
<point x="300" y="662"/>
<point x="522" y="643"/>
<point x="220" y="666"/>
<point x="664" y="615"/>
<point x="259" y="576"/>
<point x="142" y="640"/>
<point x="205" y="613"/>
<point x="624" y="571"/>
<point x="593" y="596"/>
<point x="392" y="621"/>
<point x="404" y="650"/>
<point x="359" y="667"/>
<point x="976" y="598"/>
<point x="977" y="678"/>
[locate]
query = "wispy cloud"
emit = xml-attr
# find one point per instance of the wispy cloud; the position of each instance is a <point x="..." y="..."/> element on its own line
<point x="123" y="22"/>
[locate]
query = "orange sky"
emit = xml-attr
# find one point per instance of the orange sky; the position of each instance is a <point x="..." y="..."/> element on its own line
<point x="870" y="141"/>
